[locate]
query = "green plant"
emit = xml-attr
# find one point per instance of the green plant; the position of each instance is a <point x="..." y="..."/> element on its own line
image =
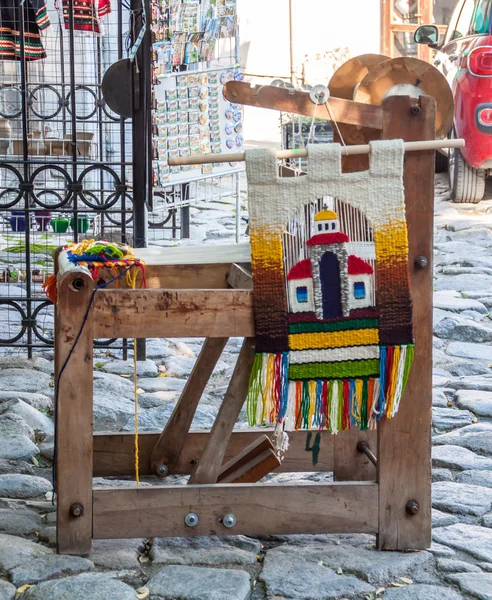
<point x="20" y="248"/>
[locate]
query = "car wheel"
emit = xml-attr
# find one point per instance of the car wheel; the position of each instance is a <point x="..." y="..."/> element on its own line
<point x="466" y="183"/>
<point x="442" y="162"/>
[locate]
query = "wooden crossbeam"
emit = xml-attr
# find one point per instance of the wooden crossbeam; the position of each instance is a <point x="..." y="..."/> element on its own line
<point x="299" y="102"/>
<point x="173" y="313"/>
<point x="258" y="508"/>
<point x="114" y="453"/>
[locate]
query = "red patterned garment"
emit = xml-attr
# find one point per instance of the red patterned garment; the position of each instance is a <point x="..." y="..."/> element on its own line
<point x="87" y="14"/>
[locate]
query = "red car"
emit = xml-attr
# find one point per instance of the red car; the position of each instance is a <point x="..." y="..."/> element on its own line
<point x="465" y="58"/>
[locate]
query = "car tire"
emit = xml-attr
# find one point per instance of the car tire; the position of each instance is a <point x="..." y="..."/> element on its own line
<point x="442" y="163"/>
<point x="466" y="183"/>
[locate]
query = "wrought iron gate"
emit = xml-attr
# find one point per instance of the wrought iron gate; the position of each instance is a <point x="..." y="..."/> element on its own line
<point x="65" y="161"/>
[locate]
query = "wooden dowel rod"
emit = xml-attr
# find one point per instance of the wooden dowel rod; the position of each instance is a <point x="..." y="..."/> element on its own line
<point x="203" y="159"/>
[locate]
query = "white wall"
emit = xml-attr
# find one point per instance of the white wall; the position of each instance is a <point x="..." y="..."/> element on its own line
<point x="319" y="26"/>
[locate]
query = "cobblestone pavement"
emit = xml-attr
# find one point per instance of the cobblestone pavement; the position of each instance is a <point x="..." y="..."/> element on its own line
<point x="457" y="566"/>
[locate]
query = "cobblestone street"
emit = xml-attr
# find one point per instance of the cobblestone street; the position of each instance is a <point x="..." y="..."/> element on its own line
<point x="457" y="566"/>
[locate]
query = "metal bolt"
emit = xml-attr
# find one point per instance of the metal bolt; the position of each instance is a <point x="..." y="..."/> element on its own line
<point x="229" y="521"/>
<point x="78" y="284"/>
<point x="162" y="470"/>
<point x="421" y="262"/>
<point x="191" y="520"/>
<point x="77" y="510"/>
<point x="412" y="507"/>
<point x="415" y="109"/>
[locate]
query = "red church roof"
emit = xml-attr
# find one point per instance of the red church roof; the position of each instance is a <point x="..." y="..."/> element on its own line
<point x="357" y="266"/>
<point x="301" y="270"/>
<point x="328" y="238"/>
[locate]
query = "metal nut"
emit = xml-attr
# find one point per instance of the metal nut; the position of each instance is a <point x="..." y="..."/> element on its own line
<point x="191" y="520"/>
<point x="415" y="109"/>
<point x="229" y="521"/>
<point x="77" y="510"/>
<point x="412" y="507"/>
<point x="421" y="262"/>
<point x="162" y="470"/>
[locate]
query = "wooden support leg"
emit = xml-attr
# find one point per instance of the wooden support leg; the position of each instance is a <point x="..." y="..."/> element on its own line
<point x="210" y="462"/>
<point x="171" y="441"/>
<point x="404" y="460"/>
<point x="74" y="431"/>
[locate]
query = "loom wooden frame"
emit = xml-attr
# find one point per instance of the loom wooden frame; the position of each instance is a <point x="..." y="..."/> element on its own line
<point x="197" y="303"/>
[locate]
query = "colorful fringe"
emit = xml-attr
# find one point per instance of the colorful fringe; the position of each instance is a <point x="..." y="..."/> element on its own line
<point x="333" y="404"/>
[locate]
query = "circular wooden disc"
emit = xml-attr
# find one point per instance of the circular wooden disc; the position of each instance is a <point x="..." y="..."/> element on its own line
<point x="343" y="84"/>
<point x="406" y="71"/>
<point x="346" y="78"/>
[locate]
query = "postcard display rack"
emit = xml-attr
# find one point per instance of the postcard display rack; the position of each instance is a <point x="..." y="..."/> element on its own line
<point x="196" y="50"/>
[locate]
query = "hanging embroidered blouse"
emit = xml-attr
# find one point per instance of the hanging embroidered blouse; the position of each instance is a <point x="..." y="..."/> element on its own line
<point x="87" y="14"/>
<point x="35" y="20"/>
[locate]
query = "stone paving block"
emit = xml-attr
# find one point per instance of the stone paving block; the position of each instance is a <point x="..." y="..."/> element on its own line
<point x="446" y="419"/>
<point x="39" y="401"/>
<point x="477" y="437"/>
<point x="470" y="350"/>
<point x="474" y="477"/>
<point x="23" y="486"/>
<point x="25" y="380"/>
<point x="33" y="417"/>
<point x="480" y="585"/>
<point x="472" y="539"/>
<point x="422" y="592"/>
<point x="461" y="498"/>
<point x="288" y="575"/>
<point x="441" y="519"/>
<point x="198" y="583"/>
<point x="116" y="554"/>
<point x="17" y="447"/>
<point x="233" y="550"/>
<point x="19" y="521"/>
<point x="457" y="457"/>
<point x="449" y="565"/>
<point x="15" y="551"/>
<point x="462" y="330"/>
<point x="454" y="302"/>
<point x="49" y="567"/>
<point x="7" y="590"/>
<point x="87" y="586"/>
<point x="479" y="403"/>
<point x="358" y="559"/>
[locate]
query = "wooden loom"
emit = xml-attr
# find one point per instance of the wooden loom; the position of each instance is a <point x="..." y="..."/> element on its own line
<point x="389" y="495"/>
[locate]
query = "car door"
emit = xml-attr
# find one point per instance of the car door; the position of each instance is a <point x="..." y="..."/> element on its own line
<point x="447" y="59"/>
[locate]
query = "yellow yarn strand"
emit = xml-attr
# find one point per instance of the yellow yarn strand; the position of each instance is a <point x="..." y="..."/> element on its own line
<point x="135" y="392"/>
<point x="131" y="278"/>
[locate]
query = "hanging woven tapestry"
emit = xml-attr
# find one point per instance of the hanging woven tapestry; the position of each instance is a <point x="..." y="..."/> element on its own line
<point x="333" y="312"/>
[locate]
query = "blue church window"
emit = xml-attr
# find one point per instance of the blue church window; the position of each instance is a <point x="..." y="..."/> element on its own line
<point x="333" y="225"/>
<point x="359" y="290"/>
<point x="302" y="293"/>
<point x="320" y="227"/>
<point x="327" y="225"/>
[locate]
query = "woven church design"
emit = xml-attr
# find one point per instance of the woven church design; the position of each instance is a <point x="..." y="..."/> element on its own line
<point x="333" y="315"/>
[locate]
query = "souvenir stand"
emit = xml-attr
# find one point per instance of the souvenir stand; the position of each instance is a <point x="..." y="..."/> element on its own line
<point x="196" y="51"/>
<point x="382" y="477"/>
